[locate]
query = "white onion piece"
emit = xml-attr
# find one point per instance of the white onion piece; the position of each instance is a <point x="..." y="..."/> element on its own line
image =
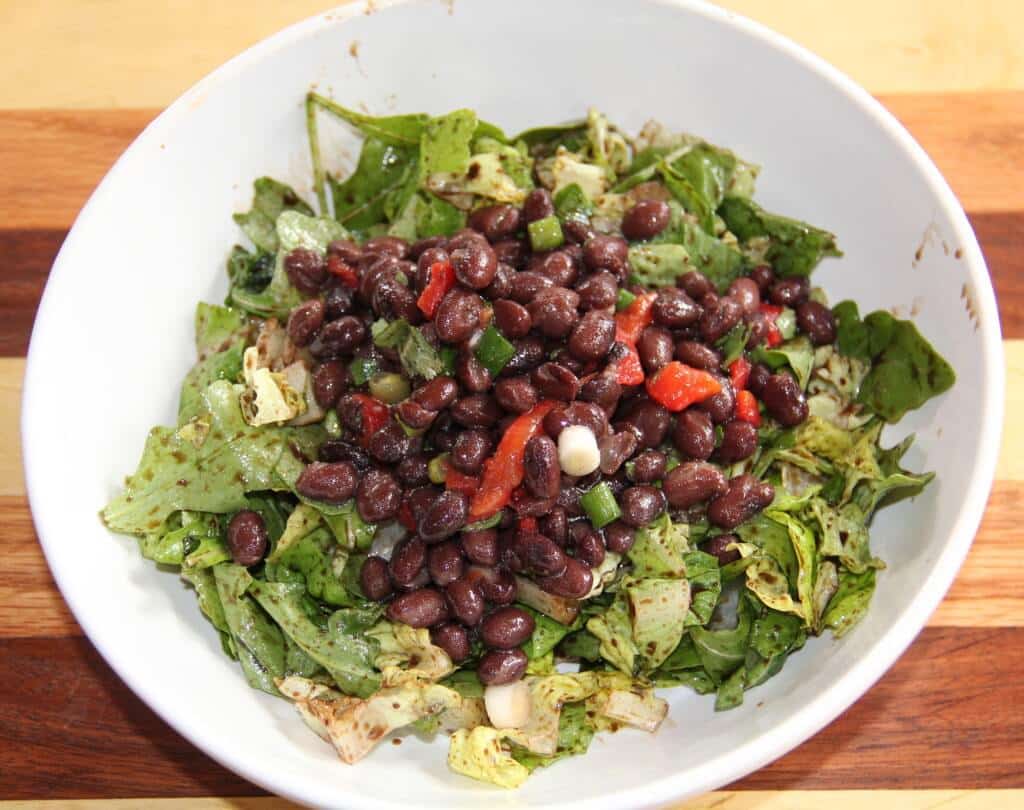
<point x="508" y="704"/>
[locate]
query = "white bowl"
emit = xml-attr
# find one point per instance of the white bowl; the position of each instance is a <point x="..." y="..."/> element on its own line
<point x="113" y="340"/>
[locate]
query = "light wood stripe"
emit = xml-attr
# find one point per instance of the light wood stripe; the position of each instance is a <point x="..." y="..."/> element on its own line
<point x="54" y="158"/>
<point x="151" y="52"/>
<point x="718" y="800"/>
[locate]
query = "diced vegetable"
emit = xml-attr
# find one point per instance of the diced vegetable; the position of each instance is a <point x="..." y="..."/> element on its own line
<point x="442" y="279"/>
<point x="362" y="369"/>
<point x="623" y="299"/>
<point x="747" y="409"/>
<point x="494" y="350"/>
<point x="389" y="387"/>
<point x="678" y="386"/>
<point x="577" y="450"/>
<point x="545" y="234"/>
<point x="600" y="505"/>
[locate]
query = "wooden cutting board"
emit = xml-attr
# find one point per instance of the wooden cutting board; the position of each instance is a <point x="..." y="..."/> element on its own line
<point x="945" y="727"/>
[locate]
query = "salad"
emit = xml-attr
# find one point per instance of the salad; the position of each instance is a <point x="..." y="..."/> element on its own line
<point x="507" y="433"/>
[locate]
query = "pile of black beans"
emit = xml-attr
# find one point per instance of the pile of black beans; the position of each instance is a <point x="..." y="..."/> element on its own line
<point x="557" y="308"/>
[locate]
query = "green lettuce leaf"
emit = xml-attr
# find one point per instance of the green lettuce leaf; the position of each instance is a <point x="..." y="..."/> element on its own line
<point x="444" y="144"/>
<point x="797" y="353"/>
<point x="574" y="735"/>
<point x="221" y="334"/>
<point x="659" y="549"/>
<point x="395" y="130"/>
<point x="659" y="264"/>
<point x="850" y="602"/>
<point x="378" y="186"/>
<point x="258" y="641"/>
<point x="418" y="357"/>
<point x="269" y="199"/>
<point x="614" y="631"/>
<point x="658" y="609"/>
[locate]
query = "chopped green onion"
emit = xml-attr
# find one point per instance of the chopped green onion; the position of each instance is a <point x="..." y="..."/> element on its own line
<point x="493" y="350"/>
<point x="332" y="425"/>
<point x="624" y="299"/>
<point x="389" y="387"/>
<point x="486" y="523"/>
<point x="786" y="323"/>
<point x="630" y="470"/>
<point x="437" y="469"/>
<point x="600" y="505"/>
<point x="361" y="369"/>
<point x="448" y="356"/>
<point x="545" y="234"/>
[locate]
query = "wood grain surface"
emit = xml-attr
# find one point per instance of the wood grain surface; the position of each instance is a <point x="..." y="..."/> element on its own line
<point x="944" y="728"/>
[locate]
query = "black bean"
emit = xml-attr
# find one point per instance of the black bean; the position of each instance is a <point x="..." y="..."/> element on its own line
<point x="553" y="312"/>
<point x="306" y="269"/>
<point x="555" y="526"/>
<point x="645" y="220"/>
<point x="420" y="500"/>
<point x="542" y="475"/>
<point x="247" y="537"/>
<point x="655" y="348"/>
<point x="411" y="471"/>
<point x="603" y="252"/>
<point x="722" y="405"/>
<point x="471" y="373"/>
<point x="574" y="582"/>
<point x="445" y="562"/>
<point x="588" y="547"/>
<point x="421" y="246"/>
<point x="615" y="448"/>
<point x="337" y="302"/>
<point x="593" y="336"/>
<point x="453" y="639"/>
<point x="693" y="482"/>
<point x="763" y="277"/>
<point x="759" y="374"/>
<point x="526" y="285"/>
<point x="674" y="309"/>
<point x="744" y="498"/>
<point x="496" y="222"/>
<point x="590" y="416"/>
<point x="694" y="434"/>
<point x="457" y="315"/>
<point x="515" y="394"/>
<point x="719" y="318"/>
<point x="421" y="608"/>
<point x="375" y="579"/>
<point x="649" y="467"/>
<point x="717" y="546"/>
<point x="599" y="291"/>
<point x="618" y="537"/>
<point x="444" y="517"/>
<point x="496" y="584"/>
<point x="695" y="284"/>
<point x="501" y="666"/>
<point x="341" y="450"/>
<point x="577" y="229"/>
<point x="387" y="246"/>
<point x="512" y="319"/>
<point x="481" y="546"/>
<point x="538" y="205"/>
<point x="815" y="320"/>
<point x="437" y="394"/>
<point x="427" y="259"/>
<point x="555" y="421"/>
<point x="407" y="561"/>
<point x="501" y="284"/>
<point x="475" y="265"/>
<point x="789" y="292"/>
<point x="476" y="410"/>
<point x="603" y="390"/>
<point x="642" y="504"/>
<point x="529" y="354"/>
<point x="378" y="496"/>
<point x="511" y="253"/>
<point x="330" y="379"/>
<point x="649" y="420"/>
<point x="389" y="444"/>
<point x="375" y="268"/>
<point x="746" y="293"/>
<point x="465" y="600"/>
<point x="463" y="237"/>
<point x="339" y="337"/>
<point x="739" y="441"/>
<point x="697" y="355"/>
<point x="784" y="400"/>
<point x="555" y="381"/>
<point x="506" y="628"/>
<point x="415" y="415"/>
<point x="305" y="320"/>
<point x="329" y="482"/>
<point x="759" y="326"/>
<point x="346" y="250"/>
<point x="470" y="450"/>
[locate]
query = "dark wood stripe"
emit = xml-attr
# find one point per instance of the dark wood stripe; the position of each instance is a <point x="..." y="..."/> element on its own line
<point x="29" y="254"/>
<point x="946" y="716"/>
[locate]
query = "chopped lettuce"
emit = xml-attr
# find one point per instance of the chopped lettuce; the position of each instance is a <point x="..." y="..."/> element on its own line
<point x="479" y="754"/>
<point x="269" y="200"/>
<point x="418" y="357"/>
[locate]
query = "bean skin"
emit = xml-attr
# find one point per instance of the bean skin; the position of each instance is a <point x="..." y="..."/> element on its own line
<point x="744" y="498"/>
<point x="497" y="584"/>
<point x="465" y="601"/>
<point x="480" y="546"/>
<point x="475" y="265"/>
<point x="306" y="269"/>
<point x="719" y="319"/>
<point x="537" y="554"/>
<point x="506" y="628"/>
<point x="593" y="336"/>
<point x="615" y="448"/>
<point x="496" y="222"/>
<point x="642" y="504"/>
<point x="515" y="394"/>
<point x="693" y="482"/>
<point x="574" y="582"/>
<point x="501" y="284"/>
<point x="739" y="441"/>
<point x="538" y="205"/>
<point x="470" y="451"/>
<point x="512" y="319"/>
<point x="784" y="400"/>
<point x="618" y="537"/>
<point x="458" y="315"/>
<point x="674" y="309"/>
<point x="330" y="379"/>
<point x="555" y="381"/>
<point x="421" y="608"/>
<point x="555" y="526"/>
<point x="645" y="220"/>
<point x="374" y="579"/>
<point x="697" y="355"/>
<point x="471" y="373"/>
<point x="649" y="467"/>
<point x="606" y="253"/>
<point x="815" y="320"/>
<point x="476" y="411"/>
<point x="445" y="562"/>
<point x="305" y="320"/>
<point x="331" y="483"/>
<point x="502" y="666"/>
<point x="717" y="547"/>
<point x="589" y="549"/>
<point x="415" y="415"/>
<point x="444" y="517"/>
<point x="247" y="537"/>
<point x="378" y="496"/>
<point x="540" y="462"/>
<point x="407" y="561"/>
<point x="789" y="292"/>
<point x="453" y="639"/>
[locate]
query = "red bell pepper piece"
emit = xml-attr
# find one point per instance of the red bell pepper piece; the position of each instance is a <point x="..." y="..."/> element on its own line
<point x="739" y="373"/>
<point x="628" y="325"/>
<point x="468" y="485"/>
<point x="746" y="408"/>
<point x="678" y="386"/>
<point x="348" y="275"/>
<point x="503" y="471"/>
<point x="375" y="416"/>
<point x="528" y="524"/>
<point x="442" y="279"/>
<point x="774" y="334"/>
